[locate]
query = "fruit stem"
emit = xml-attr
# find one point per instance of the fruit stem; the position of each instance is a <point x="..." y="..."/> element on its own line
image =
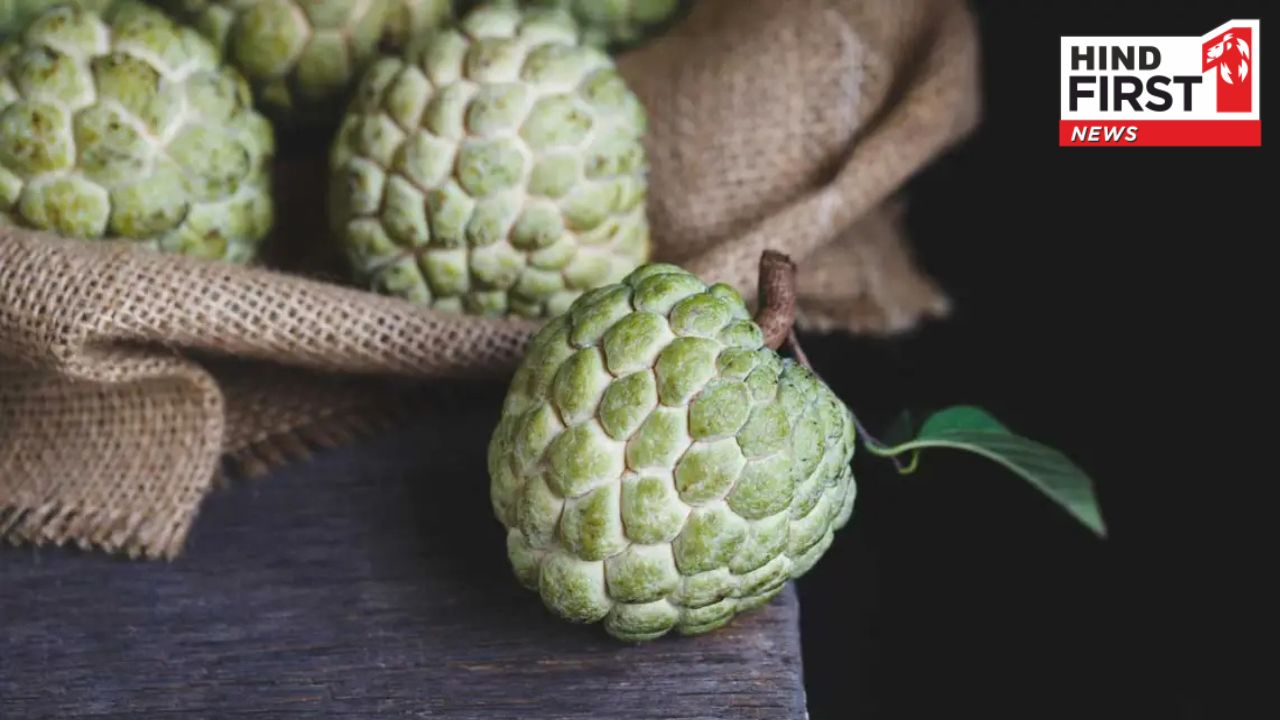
<point x="777" y="295"/>
<point x="776" y="317"/>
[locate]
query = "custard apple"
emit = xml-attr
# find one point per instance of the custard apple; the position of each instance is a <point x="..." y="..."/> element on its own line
<point x="657" y="467"/>
<point x="300" y="56"/>
<point x="128" y="125"/>
<point x="615" y="22"/>
<point x="496" y="167"/>
<point x="16" y="14"/>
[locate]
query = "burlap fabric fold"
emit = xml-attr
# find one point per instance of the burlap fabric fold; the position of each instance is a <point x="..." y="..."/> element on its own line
<point x="128" y="378"/>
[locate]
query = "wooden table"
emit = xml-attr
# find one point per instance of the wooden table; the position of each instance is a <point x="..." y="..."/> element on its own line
<point x="368" y="582"/>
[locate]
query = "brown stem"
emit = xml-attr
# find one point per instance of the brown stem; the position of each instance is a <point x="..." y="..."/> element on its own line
<point x="777" y="311"/>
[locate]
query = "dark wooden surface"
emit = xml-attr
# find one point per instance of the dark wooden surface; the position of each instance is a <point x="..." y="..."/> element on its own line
<point x="368" y="582"/>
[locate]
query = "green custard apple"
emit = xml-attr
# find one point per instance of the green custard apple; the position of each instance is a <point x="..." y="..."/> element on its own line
<point x="128" y="125"/>
<point x="496" y="167"/>
<point x="607" y="23"/>
<point x="15" y="15"/>
<point x="656" y="467"/>
<point x="300" y="56"/>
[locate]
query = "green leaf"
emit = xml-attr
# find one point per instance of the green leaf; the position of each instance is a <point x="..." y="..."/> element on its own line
<point x="1048" y="470"/>
<point x="960" y="417"/>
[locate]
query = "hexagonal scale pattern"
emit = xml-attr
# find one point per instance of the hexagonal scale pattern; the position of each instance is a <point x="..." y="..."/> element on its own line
<point x="15" y="15"/>
<point x="495" y="167"/>
<point x="615" y="22"/>
<point x="649" y="436"/>
<point x="302" y="56"/>
<point x="127" y="125"/>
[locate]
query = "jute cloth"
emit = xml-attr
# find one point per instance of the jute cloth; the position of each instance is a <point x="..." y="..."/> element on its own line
<point x="129" y="379"/>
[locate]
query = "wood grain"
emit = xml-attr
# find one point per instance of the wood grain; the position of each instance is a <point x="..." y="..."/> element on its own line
<point x="368" y="582"/>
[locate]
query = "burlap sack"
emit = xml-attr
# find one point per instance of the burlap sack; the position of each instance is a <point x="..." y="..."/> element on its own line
<point x="128" y="379"/>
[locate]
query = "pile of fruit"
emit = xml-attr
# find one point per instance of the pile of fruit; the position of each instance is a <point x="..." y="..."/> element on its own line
<point x="657" y="465"/>
<point x="484" y="157"/>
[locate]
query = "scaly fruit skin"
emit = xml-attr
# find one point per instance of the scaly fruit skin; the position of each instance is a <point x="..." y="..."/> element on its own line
<point x="300" y="56"/>
<point x="15" y="15"/>
<point x="496" y="168"/>
<point x="128" y="125"/>
<point x="657" y="467"/>
<point x="411" y="18"/>
<point x="608" y="23"/>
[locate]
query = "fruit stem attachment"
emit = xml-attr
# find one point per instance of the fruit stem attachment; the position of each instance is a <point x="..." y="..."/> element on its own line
<point x="776" y="315"/>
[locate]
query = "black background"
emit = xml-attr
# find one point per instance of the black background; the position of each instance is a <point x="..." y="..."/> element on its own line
<point x="1110" y="302"/>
